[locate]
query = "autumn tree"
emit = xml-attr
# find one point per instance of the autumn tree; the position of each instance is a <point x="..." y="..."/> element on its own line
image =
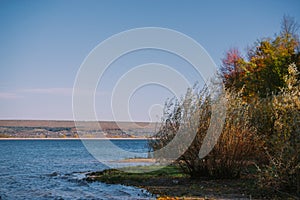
<point x="232" y="69"/>
<point x="262" y="72"/>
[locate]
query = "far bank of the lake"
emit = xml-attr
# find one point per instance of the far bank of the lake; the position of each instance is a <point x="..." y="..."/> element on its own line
<point x="70" y="129"/>
<point x="13" y="138"/>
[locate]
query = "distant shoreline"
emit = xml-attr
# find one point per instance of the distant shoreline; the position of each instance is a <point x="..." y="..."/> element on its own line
<point x="41" y="129"/>
<point x="74" y="138"/>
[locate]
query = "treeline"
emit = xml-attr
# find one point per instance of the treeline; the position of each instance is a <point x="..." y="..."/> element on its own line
<point x="262" y="124"/>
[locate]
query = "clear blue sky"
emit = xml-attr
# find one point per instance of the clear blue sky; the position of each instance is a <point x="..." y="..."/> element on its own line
<point x="43" y="44"/>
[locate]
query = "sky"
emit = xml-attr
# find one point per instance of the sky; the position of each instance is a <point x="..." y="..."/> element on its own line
<point x="44" y="43"/>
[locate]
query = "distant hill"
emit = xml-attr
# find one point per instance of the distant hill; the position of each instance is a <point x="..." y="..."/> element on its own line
<point x="67" y="129"/>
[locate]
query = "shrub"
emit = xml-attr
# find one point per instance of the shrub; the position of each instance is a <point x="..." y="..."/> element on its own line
<point x="236" y="146"/>
<point x="282" y="146"/>
<point x="183" y="115"/>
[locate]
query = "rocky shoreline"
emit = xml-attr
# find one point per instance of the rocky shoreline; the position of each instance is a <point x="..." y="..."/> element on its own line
<point x="170" y="183"/>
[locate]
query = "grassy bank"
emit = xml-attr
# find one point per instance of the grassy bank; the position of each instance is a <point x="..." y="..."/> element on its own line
<point x="170" y="182"/>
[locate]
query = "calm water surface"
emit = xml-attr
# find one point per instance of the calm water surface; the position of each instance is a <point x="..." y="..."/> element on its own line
<point x="54" y="169"/>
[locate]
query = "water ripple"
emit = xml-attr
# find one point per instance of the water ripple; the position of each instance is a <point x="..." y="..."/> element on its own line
<point x="45" y="169"/>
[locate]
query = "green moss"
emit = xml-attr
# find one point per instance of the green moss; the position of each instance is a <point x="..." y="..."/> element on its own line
<point x="135" y="174"/>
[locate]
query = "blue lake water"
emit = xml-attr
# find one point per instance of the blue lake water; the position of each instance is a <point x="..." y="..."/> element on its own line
<point x="54" y="169"/>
